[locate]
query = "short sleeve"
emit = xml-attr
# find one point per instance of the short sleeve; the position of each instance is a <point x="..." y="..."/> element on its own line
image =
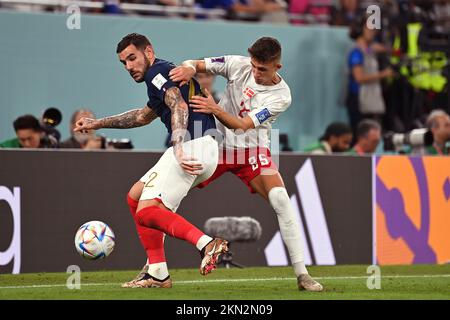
<point x="158" y="82"/>
<point x="226" y="66"/>
<point x="269" y="111"/>
<point x="355" y="58"/>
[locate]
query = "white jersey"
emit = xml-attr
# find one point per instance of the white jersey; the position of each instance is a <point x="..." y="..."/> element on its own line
<point x="243" y="96"/>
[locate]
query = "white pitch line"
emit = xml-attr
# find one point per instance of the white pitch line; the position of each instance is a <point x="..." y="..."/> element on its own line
<point x="234" y="280"/>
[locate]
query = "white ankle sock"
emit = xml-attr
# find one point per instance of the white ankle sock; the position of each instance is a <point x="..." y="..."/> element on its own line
<point x="203" y="241"/>
<point x="158" y="270"/>
<point x="299" y="268"/>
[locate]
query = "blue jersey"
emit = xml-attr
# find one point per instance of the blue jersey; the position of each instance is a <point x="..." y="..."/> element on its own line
<point x="355" y="58"/>
<point x="158" y="82"/>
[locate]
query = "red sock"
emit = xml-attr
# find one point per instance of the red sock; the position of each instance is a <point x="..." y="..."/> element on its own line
<point x="151" y="239"/>
<point x="168" y="222"/>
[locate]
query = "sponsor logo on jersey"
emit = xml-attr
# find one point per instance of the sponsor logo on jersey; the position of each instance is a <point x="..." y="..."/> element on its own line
<point x="218" y="60"/>
<point x="263" y="115"/>
<point x="158" y="81"/>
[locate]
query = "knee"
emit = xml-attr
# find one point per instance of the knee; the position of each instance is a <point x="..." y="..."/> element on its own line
<point x="136" y="190"/>
<point x="279" y="198"/>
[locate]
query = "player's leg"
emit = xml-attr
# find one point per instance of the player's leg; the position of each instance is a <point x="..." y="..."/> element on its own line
<point x="262" y="175"/>
<point x="271" y="187"/>
<point x="154" y="214"/>
<point x="167" y="184"/>
<point x="153" y="242"/>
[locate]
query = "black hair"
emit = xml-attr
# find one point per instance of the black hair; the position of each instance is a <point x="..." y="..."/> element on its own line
<point x="27" y="122"/>
<point x="138" y="40"/>
<point x="265" y="49"/>
<point x="336" y="129"/>
<point x="357" y="27"/>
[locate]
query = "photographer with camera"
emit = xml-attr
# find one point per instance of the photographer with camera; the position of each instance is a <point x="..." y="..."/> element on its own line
<point x="438" y="122"/>
<point x="30" y="134"/>
<point x="86" y="140"/>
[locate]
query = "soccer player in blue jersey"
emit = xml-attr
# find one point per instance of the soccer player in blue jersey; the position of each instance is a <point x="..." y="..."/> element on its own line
<point x="191" y="160"/>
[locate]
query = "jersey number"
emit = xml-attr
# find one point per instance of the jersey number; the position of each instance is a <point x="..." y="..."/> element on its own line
<point x="262" y="159"/>
<point x="152" y="177"/>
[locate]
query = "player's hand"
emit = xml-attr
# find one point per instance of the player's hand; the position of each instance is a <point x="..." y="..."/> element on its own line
<point x="189" y="164"/>
<point x="182" y="74"/>
<point x="204" y="105"/>
<point x="85" y="124"/>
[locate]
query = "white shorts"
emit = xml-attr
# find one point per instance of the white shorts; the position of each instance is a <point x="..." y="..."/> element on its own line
<point x="167" y="181"/>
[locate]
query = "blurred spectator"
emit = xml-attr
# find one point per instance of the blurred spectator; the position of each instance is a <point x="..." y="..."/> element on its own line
<point x="337" y="138"/>
<point x="438" y="122"/>
<point x="284" y="143"/>
<point x="29" y="135"/>
<point x="347" y="14"/>
<point x="364" y="95"/>
<point x="78" y="140"/>
<point x="275" y="11"/>
<point x="441" y="10"/>
<point x="111" y="7"/>
<point x="314" y="8"/>
<point x="420" y="56"/>
<point x="248" y="10"/>
<point x="368" y="135"/>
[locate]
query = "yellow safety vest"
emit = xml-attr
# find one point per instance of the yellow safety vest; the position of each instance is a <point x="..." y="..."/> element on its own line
<point x="426" y="67"/>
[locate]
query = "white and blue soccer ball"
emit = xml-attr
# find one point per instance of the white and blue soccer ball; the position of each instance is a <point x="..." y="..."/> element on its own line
<point x="94" y="240"/>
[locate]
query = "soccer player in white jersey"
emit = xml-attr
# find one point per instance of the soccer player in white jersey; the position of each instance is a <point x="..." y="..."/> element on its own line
<point x="254" y="97"/>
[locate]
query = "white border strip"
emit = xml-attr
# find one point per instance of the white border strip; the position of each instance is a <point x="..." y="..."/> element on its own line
<point x="374" y="210"/>
<point x="234" y="280"/>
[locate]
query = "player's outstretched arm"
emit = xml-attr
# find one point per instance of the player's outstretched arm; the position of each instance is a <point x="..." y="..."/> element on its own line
<point x="130" y="119"/>
<point x="179" y="120"/>
<point x="187" y="70"/>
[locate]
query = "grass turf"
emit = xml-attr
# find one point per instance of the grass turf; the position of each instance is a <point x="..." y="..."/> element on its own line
<point x="340" y="282"/>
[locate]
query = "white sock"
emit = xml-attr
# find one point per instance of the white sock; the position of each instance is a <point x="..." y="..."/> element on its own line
<point x="158" y="270"/>
<point x="299" y="268"/>
<point x="203" y="241"/>
<point x="289" y="227"/>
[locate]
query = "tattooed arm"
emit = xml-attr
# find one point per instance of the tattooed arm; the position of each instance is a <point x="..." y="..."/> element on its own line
<point x="130" y="119"/>
<point x="180" y="115"/>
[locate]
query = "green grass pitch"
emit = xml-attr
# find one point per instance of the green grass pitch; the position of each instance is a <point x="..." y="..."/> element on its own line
<point x="340" y="282"/>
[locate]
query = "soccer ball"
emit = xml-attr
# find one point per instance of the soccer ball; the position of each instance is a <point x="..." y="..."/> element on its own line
<point x="94" y="240"/>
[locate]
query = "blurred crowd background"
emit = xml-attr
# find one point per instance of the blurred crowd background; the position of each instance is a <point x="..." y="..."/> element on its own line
<point x="396" y="80"/>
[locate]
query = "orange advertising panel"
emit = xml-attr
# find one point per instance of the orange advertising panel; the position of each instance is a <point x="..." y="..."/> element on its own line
<point x="412" y="214"/>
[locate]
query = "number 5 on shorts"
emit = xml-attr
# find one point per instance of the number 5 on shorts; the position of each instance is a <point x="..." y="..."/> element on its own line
<point x="262" y="159"/>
